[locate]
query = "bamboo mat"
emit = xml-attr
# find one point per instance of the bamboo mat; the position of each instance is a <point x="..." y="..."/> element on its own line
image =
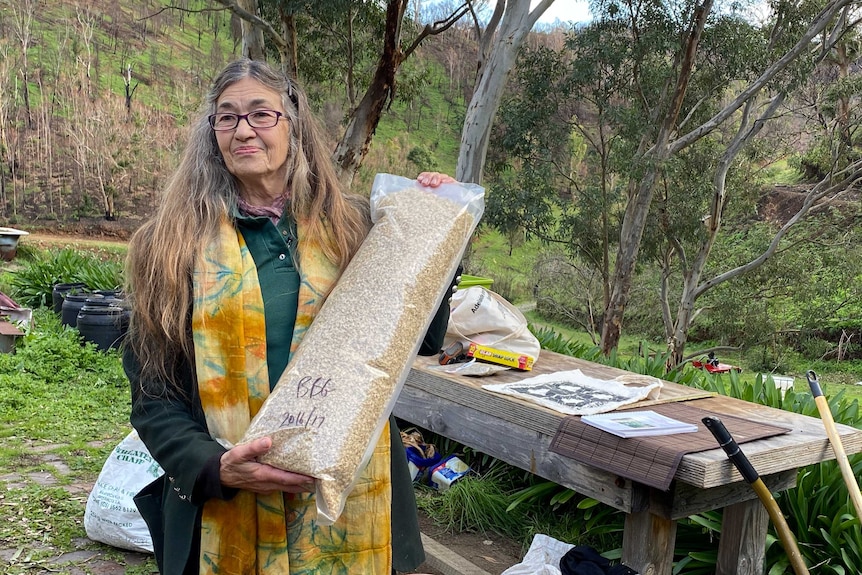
<point x="651" y="460"/>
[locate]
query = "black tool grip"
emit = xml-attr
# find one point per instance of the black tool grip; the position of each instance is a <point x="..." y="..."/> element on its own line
<point x="813" y="383"/>
<point x="730" y="447"/>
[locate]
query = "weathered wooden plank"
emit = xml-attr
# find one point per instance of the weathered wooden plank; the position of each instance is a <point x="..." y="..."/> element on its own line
<point x="648" y="539"/>
<point x="552" y="363"/>
<point x="805" y="444"/>
<point x="689" y="500"/>
<point x="742" y="546"/>
<point x="494" y="405"/>
<point x="514" y="444"/>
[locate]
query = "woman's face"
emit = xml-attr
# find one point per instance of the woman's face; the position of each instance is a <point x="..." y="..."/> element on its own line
<point x="257" y="157"/>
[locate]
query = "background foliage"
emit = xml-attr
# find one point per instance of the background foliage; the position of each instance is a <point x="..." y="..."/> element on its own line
<point x="80" y="141"/>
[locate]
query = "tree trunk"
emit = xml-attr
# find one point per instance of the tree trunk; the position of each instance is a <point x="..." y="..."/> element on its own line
<point x="498" y="52"/>
<point x="679" y="335"/>
<point x="843" y="105"/>
<point x="478" y="120"/>
<point x="353" y="146"/>
<point x="634" y="221"/>
<point x="351" y="60"/>
<point x="641" y="192"/>
<point x="130" y="90"/>
<point x="3" y="205"/>
<point x="252" y="36"/>
<point x="290" y="55"/>
<point x="25" y="89"/>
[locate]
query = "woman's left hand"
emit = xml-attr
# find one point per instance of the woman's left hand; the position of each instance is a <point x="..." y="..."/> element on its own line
<point x="434" y="179"/>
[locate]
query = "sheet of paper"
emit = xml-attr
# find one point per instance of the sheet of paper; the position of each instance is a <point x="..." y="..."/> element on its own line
<point x="574" y="393"/>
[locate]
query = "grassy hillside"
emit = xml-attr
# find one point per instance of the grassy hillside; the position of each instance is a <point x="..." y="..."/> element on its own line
<point x="71" y="150"/>
<point x="110" y="88"/>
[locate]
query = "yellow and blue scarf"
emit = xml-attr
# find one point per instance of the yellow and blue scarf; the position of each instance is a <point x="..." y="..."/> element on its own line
<point x="276" y="533"/>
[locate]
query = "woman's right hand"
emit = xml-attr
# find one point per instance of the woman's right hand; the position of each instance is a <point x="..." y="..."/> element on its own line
<point x="239" y="468"/>
<point x="434" y="179"/>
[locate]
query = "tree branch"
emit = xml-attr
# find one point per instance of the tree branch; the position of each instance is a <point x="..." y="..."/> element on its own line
<point x="817" y="26"/>
<point x="437" y="27"/>
<point x="181" y="9"/>
<point x="853" y="175"/>
<point x="267" y="28"/>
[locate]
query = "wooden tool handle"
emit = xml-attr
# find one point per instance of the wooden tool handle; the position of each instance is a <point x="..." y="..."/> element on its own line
<point x="835" y="442"/>
<point x="788" y="541"/>
<point x="840" y="454"/>
<point x="746" y="469"/>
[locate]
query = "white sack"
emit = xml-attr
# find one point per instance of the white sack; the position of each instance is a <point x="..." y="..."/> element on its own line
<point x="111" y="515"/>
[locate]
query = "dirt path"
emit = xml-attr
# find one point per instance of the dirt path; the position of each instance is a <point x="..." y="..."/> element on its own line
<point x="46" y="241"/>
<point x="447" y="553"/>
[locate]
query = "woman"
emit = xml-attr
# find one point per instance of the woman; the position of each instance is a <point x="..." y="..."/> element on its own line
<point x="252" y="233"/>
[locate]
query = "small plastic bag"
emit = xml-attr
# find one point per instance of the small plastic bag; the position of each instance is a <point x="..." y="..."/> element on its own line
<point x="484" y="317"/>
<point x="543" y="557"/>
<point x="330" y="406"/>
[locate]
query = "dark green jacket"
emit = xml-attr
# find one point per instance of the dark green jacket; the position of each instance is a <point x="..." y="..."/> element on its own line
<point x="175" y="432"/>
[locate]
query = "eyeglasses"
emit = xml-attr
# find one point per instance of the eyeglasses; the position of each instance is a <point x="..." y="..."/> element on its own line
<point x="223" y="122"/>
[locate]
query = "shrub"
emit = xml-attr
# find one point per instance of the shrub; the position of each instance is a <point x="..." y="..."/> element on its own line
<point x="422" y="158"/>
<point x="33" y="284"/>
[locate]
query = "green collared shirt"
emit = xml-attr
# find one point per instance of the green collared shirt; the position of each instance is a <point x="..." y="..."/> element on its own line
<point x="273" y="248"/>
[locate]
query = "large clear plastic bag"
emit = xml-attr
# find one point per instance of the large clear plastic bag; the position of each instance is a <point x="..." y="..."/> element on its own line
<point x="329" y="408"/>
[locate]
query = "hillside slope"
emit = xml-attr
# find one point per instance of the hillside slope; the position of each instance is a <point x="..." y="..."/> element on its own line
<point x="112" y="86"/>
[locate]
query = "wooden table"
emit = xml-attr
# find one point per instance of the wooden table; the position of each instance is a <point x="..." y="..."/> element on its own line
<point x="520" y="432"/>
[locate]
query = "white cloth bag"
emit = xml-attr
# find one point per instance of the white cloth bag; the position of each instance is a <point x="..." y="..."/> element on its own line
<point x="111" y="515"/>
<point x="484" y="317"/>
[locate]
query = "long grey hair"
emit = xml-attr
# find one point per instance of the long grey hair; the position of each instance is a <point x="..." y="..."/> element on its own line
<point x="199" y="197"/>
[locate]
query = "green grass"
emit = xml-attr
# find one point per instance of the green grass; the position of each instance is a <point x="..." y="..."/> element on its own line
<point x="151" y="42"/>
<point x="489" y="256"/>
<point x="64" y="406"/>
<point x="781" y="172"/>
<point x="57" y="389"/>
<point x="46" y="515"/>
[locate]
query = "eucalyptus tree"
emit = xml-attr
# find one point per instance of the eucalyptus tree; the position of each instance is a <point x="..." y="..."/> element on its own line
<point x="791" y="42"/>
<point x="551" y="163"/>
<point x="252" y="36"/>
<point x="499" y="42"/>
<point x="664" y="132"/>
<point x="831" y="97"/>
<point x="279" y="20"/>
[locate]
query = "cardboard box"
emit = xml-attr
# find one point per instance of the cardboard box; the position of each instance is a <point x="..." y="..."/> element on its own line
<point x="499" y="356"/>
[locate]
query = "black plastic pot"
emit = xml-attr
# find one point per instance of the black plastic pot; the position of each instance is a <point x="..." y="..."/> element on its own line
<point x="104" y="323"/>
<point x="72" y="304"/>
<point x="60" y="291"/>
